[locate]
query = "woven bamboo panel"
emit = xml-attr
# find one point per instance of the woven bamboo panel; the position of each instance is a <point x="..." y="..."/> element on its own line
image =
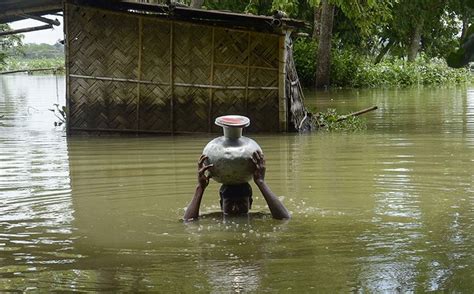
<point x="227" y="102"/>
<point x="263" y="78"/>
<point x="231" y="47"/>
<point x="102" y="44"/>
<point x="156" y="54"/>
<point x="191" y="111"/>
<point x="103" y="105"/>
<point x="263" y="110"/>
<point x="230" y="76"/>
<point x="155" y="108"/>
<point x="264" y="50"/>
<point x="192" y="53"/>
<point x="105" y="45"/>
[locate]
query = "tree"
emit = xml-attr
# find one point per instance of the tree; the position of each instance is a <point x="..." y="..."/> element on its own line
<point x="465" y="51"/>
<point x="362" y="14"/>
<point x="324" y="48"/>
<point x="8" y="42"/>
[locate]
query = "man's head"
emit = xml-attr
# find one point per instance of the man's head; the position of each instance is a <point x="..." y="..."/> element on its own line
<point x="236" y="199"/>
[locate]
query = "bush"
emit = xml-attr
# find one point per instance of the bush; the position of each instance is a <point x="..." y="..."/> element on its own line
<point x="331" y="121"/>
<point x="21" y="63"/>
<point x="351" y="69"/>
<point x="304" y="54"/>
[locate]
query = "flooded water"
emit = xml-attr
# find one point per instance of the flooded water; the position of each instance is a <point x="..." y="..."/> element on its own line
<point x="390" y="209"/>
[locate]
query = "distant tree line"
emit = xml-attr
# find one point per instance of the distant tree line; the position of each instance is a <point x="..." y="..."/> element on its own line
<point x="37" y="51"/>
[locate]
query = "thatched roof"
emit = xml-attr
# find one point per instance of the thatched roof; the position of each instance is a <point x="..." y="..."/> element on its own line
<point x="12" y="10"/>
<point x="210" y="17"/>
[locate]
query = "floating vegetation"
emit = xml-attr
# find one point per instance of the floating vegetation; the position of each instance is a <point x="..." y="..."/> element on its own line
<point x="331" y="121"/>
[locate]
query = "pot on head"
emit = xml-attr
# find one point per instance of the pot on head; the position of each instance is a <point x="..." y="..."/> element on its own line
<point x="231" y="154"/>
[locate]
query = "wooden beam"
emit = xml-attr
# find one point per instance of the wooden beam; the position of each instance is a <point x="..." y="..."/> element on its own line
<point x="32" y="70"/>
<point x="26" y="30"/>
<point x="202" y="86"/>
<point x="10" y="15"/>
<point x="54" y="22"/>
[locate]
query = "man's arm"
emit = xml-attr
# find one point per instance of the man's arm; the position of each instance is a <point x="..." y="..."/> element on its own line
<point x="276" y="207"/>
<point x="192" y="211"/>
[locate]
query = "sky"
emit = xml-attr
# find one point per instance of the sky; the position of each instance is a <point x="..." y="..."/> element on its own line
<point x="49" y="36"/>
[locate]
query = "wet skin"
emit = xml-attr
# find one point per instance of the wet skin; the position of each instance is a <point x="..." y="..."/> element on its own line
<point x="242" y="205"/>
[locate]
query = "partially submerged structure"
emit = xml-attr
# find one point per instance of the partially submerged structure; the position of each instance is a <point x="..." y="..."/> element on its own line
<point x="138" y="67"/>
<point x="169" y="69"/>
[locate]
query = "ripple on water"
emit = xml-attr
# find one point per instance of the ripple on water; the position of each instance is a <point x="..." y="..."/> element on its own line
<point x="386" y="210"/>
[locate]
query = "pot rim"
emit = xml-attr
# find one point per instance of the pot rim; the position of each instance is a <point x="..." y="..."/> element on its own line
<point x="232" y="121"/>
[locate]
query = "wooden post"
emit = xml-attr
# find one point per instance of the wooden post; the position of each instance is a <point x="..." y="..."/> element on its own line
<point x="139" y="74"/>
<point x="247" y="81"/>
<point x="282" y="103"/>
<point x="67" y="66"/>
<point x="171" y="77"/>
<point x="211" y="91"/>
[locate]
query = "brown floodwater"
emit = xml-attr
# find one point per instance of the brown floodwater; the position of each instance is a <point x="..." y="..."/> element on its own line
<point x="388" y="209"/>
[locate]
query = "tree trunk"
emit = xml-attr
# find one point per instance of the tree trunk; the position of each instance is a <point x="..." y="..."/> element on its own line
<point x="415" y="42"/>
<point x="324" y="48"/>
<point x="384" y="51"/>
<point x="317" y="22"/>
<point x="465" y="26"/>
<point x="197" y="3"/>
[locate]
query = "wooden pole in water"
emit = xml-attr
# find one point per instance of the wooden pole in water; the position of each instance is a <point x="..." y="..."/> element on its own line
<point x="344" y="117"/>
<point x="32" y="70"/>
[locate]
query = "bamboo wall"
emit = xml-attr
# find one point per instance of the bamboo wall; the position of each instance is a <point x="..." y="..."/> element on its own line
<point x="127" y="72"/>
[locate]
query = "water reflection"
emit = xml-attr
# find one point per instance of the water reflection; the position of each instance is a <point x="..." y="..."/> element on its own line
<point x="387" y="210"/>
<point x="36" y="210"/>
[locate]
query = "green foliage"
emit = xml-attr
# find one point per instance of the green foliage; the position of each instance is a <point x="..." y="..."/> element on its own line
<point x="365" y="16"/>
<point x="8" y="43"/>
<point x="400" y="73"/>
<point x="345" y="65"/>
<point x="234" y="6"/>
<point x="465" y="54"/>
<point x="331" y="121"/>
<point x="37" y="51"/>
<point x="23" y="63"/>
<point x="304" y="54"/>
<point x="352" y="69"/>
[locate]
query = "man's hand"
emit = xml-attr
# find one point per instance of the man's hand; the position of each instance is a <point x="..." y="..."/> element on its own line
<point x="203" y="180"/>
<point x="259" y="162"/>
<point x="192" y="211"/>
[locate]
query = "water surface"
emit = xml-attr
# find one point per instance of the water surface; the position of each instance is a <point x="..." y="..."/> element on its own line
<point x="386" y="209"/>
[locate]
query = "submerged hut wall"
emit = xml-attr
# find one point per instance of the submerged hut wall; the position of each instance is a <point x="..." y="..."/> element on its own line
<point x="142" y="73"/>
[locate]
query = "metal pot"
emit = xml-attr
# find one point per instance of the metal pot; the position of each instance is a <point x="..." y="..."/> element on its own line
<point x="231" y="154"/>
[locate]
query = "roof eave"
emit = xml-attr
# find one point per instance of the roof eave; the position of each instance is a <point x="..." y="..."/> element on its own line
<point x="209" y="17"/>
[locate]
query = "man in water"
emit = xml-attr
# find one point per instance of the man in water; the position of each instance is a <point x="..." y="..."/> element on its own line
<point x="236" y="199"/>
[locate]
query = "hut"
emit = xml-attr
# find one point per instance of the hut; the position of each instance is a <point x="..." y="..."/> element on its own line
<point x="138" y="67"/>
